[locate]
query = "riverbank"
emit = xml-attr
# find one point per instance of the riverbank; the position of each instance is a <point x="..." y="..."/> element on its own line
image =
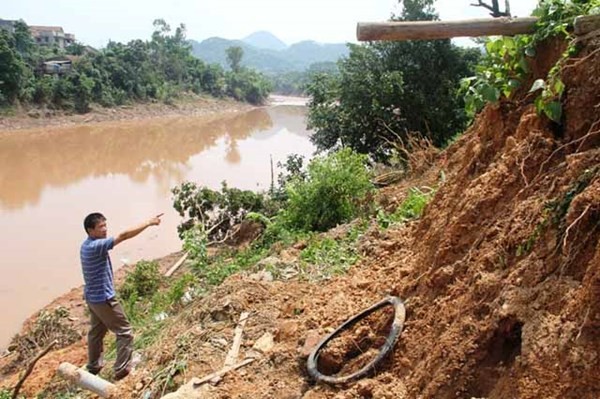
<point x="189" y="105"/>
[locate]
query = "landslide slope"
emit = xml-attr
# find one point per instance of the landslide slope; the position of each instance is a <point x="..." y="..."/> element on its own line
<point x="501" y="276"/>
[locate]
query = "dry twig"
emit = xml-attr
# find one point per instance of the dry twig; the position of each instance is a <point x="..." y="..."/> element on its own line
<point x="30" y="368"/>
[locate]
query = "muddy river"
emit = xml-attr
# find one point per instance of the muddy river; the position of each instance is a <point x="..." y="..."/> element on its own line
<point x="51" y="178"/>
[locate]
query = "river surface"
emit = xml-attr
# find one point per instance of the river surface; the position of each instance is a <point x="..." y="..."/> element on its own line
<point x="50" y="179"/>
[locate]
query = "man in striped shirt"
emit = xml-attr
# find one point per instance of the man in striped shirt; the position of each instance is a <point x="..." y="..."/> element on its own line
<point x="106" y="314"/>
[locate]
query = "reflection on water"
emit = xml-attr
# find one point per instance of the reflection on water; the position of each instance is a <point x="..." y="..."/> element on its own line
<point x="50" y="179"/>
<point x="33" y="160"/>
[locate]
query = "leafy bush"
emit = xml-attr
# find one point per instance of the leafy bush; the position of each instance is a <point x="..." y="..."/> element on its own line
<point x="411" y="208"/>
<point x="195" y="242"/>
<point x="505" y="68"/>
<point x="391" y="88"/>
<point x="333" y="192"/>
<point x="143" y="281"/>
<point x="217" y="211"/>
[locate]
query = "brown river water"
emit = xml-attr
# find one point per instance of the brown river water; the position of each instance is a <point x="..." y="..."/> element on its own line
<point x="51" y="178"/>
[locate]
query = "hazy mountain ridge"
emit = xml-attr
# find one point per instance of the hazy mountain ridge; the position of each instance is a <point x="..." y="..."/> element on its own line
<point x="297" y="57"/>
<point x="265" y="40"/>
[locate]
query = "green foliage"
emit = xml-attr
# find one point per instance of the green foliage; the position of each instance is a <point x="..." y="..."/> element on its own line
<point x="248" y="85"/>
<point x="12" y="70"/>
<point x="195" y="242"/>
<point x="159" y="69"/>
<point x="143" y="281"/>
<point x="504" y="68"/>
<point x="411" y="208"/>
<point x="333" y="192"/>
<point x="224" y="265"/>
<point x="234" y="57"/>
<point x="295" y="83"/>
<point x="5" y="393"/>
<point x="389" y="89"/>
<point x="496" y="77"/>
<point x="330" y="256"/>
<point x="217" y="211"/>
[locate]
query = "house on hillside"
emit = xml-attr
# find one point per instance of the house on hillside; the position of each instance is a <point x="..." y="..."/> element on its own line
<point x="57" y="66"/>
<point x="51" y="36"/>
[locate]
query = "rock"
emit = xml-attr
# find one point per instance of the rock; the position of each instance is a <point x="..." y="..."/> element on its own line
<point x="312" y="339"/>
<point x="262" y="275"/>
<point x="265" y="343"/>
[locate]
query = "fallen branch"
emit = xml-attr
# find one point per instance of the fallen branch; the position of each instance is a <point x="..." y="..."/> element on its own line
<point x="30" y="368"/>
<point x="176" y="266"/>
<point x="237" y="341"/>
<point x="196" y="382"/>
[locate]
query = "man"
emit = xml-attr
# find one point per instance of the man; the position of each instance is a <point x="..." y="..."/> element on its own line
<point x="105" y="311"/>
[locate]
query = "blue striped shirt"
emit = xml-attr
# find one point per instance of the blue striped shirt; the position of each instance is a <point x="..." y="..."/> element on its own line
<point x="97" y="269"/>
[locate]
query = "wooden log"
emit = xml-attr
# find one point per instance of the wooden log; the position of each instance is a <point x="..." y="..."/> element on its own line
<point x="232" y="355"/>
<point x="431" y="30"/>
<point x="176" y="266"/>
<point x="586" y="24"/>
<point x="88" y="381"/>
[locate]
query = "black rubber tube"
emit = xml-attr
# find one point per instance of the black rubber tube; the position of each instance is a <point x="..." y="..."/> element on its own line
<point x="397" y="325"/>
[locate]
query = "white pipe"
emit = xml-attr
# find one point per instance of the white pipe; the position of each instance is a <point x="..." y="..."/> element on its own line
<point x="87" y="381"/>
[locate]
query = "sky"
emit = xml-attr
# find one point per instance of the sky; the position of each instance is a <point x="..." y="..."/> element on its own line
<point x="94" y="22"/>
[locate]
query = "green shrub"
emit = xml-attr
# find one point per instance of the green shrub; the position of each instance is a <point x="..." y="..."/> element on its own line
<point x="411" y="208"/>
<point x="195" y="242"/>
<point x="333" y="192"/>
<point x="143" y="281"/>
<point x="505" y="66"/>
<point x="217" y="211"/>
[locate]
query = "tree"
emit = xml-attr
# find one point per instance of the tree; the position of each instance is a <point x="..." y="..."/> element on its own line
<point x="495" y="8"/>
<point x="12" y="70"/>
<point x="387" y="90"/>
<point x="234" y="57"/>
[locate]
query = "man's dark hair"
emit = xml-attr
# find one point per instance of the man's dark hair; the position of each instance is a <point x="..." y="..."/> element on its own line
<point x="92" y="220"/>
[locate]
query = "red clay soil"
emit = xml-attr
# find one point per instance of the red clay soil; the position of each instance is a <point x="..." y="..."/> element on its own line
<point x="501" y="279"/>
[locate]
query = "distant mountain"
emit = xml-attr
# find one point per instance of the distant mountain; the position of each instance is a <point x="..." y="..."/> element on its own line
<point x="297" y="57"/>
<point x="265" y="40"/>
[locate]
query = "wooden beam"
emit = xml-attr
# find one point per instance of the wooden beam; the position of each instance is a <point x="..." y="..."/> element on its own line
<point x="431" y="30"/>
<point x="232" y="356"/>
<point x="174" y="268"/>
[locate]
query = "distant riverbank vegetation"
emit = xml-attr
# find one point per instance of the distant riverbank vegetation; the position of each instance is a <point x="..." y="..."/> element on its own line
<point x="76" y="77"/>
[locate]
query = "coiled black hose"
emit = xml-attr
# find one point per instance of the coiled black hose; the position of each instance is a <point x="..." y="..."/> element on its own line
<point x="396" y="330"/>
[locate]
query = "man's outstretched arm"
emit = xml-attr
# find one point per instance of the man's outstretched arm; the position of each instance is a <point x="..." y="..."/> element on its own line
<point x="130" y="233"/>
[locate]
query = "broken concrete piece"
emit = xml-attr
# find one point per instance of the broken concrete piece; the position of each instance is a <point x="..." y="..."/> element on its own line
<point x="265" y="343"/>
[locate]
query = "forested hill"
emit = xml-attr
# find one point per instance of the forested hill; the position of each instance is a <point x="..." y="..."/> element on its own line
<point x="297" y="57"/>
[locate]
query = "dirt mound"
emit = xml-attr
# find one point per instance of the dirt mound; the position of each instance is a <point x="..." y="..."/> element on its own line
<point x="501" y="278"/>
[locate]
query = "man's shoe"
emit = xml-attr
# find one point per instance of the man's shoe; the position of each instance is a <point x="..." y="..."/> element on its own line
<point x="93" y="371"/>
<point x="123" y="373"/>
